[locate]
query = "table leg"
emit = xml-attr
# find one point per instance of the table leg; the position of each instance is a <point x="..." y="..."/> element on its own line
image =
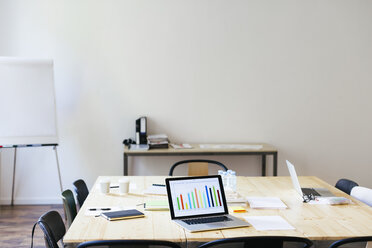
<point x="263" y="165"/>
<point x="14" y="171"/>
<point x="275" y="164"/>
<point x="125" y="165"/>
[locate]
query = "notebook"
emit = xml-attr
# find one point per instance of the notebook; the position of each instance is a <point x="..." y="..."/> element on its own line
<point x="321" y="192"/>
<point x="199" y="204"/>
<point x="122" y="214"/>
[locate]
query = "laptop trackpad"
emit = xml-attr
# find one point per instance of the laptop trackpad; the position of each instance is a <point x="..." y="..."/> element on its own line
<point x="324" y="192"/>
<point x="216" y="225"/>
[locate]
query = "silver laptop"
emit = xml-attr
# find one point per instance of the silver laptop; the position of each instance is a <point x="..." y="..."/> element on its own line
<point x="317" y="192"/>
<point x="199" y="204"/>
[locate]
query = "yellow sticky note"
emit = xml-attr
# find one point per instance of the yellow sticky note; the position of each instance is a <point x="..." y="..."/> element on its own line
<point x="238" y="209"/>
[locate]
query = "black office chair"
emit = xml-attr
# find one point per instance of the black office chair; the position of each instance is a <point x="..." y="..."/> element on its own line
<point x="81" y="191"/>
<point x="197" y="167"/>
<point x="261" y="242"/>
<point x="52" y="225"/>
<point x="69" y="206"/>
<point x="351" y="240"/>
<point x="129" y="243"/>
<point x="346" y="185"/>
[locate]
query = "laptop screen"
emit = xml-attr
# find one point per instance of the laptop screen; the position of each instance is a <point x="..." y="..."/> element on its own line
<point x="295" y="182"/>
<point x="196" y="196"/>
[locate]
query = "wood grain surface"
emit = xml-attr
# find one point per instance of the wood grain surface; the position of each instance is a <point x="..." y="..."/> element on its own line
<point x="317" y="222"/>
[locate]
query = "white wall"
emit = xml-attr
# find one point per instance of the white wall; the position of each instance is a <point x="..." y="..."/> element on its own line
<point x="295" y="74"/>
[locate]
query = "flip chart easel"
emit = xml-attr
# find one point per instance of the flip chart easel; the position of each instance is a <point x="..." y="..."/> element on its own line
<point x="27" y="106"/>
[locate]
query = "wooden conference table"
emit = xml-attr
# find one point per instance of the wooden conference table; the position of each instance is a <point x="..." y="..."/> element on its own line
<point x="211" y="150"/>
<point x="316" y="222"/>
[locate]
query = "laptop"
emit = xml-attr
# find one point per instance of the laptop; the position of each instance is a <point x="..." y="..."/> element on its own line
<point x="317" y="192"/>
<point x="199" y="204"/>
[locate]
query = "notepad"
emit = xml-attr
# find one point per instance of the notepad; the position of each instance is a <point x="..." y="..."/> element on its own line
<point x="266" y="202"/>
<point x="263" y="223"/>
<point x="157" y="205"/>
<point x="122" y="214"/>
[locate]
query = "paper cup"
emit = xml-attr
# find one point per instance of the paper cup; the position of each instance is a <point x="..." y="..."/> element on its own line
<point x="124" y="186"/>
<point x="104" y="186"/>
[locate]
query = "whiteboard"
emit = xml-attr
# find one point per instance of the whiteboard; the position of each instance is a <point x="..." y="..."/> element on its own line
<point x="27" y="102"/>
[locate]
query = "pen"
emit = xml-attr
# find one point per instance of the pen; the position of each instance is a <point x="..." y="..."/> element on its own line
<point x="114" y="187"/>
<point x="159" y="185"/>
<point x="95" y="209"/>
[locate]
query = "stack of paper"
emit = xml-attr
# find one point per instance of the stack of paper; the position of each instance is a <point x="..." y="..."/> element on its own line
<point x="266" y="202"/>
<point x="234" y="197"/>
<point x="158" y="141"/>
<point x="275" y="222"/>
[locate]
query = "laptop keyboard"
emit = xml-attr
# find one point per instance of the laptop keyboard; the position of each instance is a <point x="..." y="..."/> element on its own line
<point x="206" y="220"/>
<point x="310" y="191"/>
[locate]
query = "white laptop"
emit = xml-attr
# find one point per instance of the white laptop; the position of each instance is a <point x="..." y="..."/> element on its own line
<point x="199" y="204"/>
<point x="317" y="192"/>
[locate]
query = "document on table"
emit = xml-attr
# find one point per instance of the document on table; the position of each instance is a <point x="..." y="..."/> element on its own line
<point x="266" y="203"/>
<point x="181" y="146"/>
<point x="263" y="223"/>
<point x="330" y="201"/>
<point x="155" y="190"/>
<point x="97" y="210"/>
<point x="230" y="146"/>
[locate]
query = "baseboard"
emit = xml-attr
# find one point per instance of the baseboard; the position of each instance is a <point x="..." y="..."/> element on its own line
<point x="31" y="200"/>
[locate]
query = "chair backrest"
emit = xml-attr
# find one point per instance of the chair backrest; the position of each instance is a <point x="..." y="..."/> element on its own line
<point x="260" y="241"/>
<point x="197" y="167"/>
<point x="350" y="240"/>
<point x="69" y="206"/>
<point x="345" y="185"/>
<point x="81" y="191"/>
<point x="52" y="225"/>
<point x="362" y="194"/>
<point x="129" y="243"/>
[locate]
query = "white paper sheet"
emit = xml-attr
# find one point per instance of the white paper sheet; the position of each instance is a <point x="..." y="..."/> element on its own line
<point x="330" y="201"/>
<point x="98" y="210"/>
<point x="230" y="146"/>
<point x="132" y="186"/>
<point x="263" y="223"/>
<point x="266" y="202"/>
<point x="155" y="190"/>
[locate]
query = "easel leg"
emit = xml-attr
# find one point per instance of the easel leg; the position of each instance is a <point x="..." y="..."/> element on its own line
<point x="59" y="172"/>
<point x="14" y="170"/>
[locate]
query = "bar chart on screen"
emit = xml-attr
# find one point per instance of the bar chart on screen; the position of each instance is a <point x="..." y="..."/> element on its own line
<point x="197" y="197"/>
